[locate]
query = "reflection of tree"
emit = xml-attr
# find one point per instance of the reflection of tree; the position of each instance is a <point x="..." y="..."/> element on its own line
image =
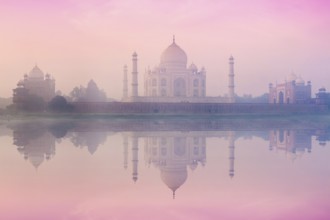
<point x="89" y="139"/>
<point x="60" y="129"/>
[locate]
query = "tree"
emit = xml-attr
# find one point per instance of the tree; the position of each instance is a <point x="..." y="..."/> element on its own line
<point x="59" y="104"/>
<point x="34" y="103"/>
<point x="77" y="93"/>
<point x="89" y="94"/>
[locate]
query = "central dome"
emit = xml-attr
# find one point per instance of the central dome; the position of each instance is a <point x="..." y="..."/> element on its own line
<point x="36" y="73"/>
<point x="174" y="55"/>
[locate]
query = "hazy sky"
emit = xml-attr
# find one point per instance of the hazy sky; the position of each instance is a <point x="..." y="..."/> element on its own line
<point x="79" y="40"/>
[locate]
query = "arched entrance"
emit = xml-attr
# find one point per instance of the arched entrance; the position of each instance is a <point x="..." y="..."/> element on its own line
<point x="179" y="87"/>
<point x="281" y="98"/>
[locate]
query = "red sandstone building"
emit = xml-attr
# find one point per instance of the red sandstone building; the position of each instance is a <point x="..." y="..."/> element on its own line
<point x="294" y="91"/>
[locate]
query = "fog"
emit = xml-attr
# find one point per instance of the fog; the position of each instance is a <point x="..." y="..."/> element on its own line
<point x="76" y="41"/>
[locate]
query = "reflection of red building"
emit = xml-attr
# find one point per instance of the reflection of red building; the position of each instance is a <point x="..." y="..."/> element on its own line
<point x="293" y="142"/>
<point x="291" y="92"/>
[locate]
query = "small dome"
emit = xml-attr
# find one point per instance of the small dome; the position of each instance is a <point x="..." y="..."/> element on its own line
<point x="174" y="54"/>
<point x="193" y="67"/>
<point x="20" y="83"/>
<point x="36" y="73"/>
<point x="300" y="81"/>
<point x="322" y="90"/>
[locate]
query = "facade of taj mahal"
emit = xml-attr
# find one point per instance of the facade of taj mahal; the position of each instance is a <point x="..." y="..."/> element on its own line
<point x="173" y="81"/>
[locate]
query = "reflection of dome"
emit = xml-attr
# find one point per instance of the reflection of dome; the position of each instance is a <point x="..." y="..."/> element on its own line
<point x="36" y="159"/>
<point x="36" y="73"/>
<point x="174" y="54"/>
<point x="174" y="178"/>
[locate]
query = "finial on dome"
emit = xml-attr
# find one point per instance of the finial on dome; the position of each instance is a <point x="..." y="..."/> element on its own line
<point x="173" y="194"/>
<point x="173" y="39"/>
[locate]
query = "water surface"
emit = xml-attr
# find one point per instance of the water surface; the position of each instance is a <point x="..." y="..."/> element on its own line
<point x="164" y="169"/>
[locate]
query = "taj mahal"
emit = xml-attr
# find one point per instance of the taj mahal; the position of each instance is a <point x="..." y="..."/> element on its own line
<point x="173" y="81"/>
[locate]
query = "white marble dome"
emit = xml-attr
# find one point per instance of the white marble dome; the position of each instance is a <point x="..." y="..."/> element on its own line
<point x="36" y="73"/>
<point x="174" y="55"/>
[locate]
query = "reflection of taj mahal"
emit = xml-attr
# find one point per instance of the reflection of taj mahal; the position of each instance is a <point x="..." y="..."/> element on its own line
<point x="173" y="154"/>
<point x="173" y="81"/>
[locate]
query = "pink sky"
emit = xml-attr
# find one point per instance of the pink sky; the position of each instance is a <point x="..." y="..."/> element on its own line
<point x="76" y="40"/>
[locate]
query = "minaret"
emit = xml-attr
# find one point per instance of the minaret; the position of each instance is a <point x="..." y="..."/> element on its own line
<point x="231" y="153"/>
<point x="231" y="86"/>
<point x="125" y="82"/>
<point x="135" y="157"/>
<point x="125" y="143"/>
<point x="134" y="76"/>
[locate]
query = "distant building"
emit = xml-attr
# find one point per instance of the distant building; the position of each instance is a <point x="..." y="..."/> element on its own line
<point x="173" y="81"/>
<point x="293" y="91"/>
<point x="35" y="83"/>
<point x="91" y="93"/>
<point x="322" y="97"/>
<point x="293" y="142"/>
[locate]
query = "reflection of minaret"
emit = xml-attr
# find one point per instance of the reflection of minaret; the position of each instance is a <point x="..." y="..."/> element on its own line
<point x="125" y="151"/>
<point x="134" y="76"/>
<point x="125" y="82"/>
<point x="231" y="137"/>
<point x="135" y="158"/>
<point x="231" y="86"/>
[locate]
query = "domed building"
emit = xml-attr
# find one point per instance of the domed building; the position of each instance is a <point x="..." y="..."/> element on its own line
<point x="36" y="83"/>
<point x="173" y="80"/>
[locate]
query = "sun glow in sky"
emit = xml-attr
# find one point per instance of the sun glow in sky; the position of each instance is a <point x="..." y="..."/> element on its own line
<point x="79" y="40"/>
